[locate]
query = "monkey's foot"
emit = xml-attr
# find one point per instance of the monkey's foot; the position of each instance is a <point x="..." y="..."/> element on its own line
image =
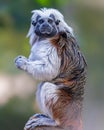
<point x="39" y="120"/>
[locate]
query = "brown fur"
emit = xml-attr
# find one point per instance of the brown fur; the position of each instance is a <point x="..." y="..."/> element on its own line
<point x="67" y="109"/>
<point x="71" y="81"/>
<point x="72" y="74"/>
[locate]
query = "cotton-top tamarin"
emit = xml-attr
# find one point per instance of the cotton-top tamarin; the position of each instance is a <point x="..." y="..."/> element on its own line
<point x="56" y="60"/>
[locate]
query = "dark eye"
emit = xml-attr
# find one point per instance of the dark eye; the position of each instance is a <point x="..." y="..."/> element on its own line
<point x="41" y="21"/>
<point x="33" y="23"/>
<point x="57" y="22"/>
<point x="50" y="21"/>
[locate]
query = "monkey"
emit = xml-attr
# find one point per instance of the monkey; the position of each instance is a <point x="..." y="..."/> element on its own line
<point x="56" y="60"/>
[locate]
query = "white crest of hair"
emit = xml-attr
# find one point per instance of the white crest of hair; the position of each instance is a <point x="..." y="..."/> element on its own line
<point x="44" y="12"/>
<point x="63" y="25"/>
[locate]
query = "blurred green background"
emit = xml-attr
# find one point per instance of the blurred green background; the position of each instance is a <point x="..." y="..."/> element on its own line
<point x="17" y="89"/>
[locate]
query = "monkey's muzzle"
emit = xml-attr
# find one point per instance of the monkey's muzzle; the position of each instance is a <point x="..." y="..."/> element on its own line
<point x="45" y="29"/>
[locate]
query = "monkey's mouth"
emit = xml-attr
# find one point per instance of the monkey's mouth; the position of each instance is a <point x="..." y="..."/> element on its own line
<point x="46" y="32"/>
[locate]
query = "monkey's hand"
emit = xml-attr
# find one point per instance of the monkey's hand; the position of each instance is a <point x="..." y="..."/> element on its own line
<point x="21" y="62"/>
<point x="39" y="120"/>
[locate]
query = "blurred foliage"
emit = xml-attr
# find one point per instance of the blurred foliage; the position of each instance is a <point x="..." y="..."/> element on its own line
<point x="13" y="115"/>
<point x="88" y="24"/>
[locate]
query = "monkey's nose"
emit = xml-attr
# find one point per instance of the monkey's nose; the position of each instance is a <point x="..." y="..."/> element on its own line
<point x="45" y="29"/>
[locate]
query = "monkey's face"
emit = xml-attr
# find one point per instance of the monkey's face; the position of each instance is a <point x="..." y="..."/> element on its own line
<point x="46" y="23"/>
<point x="45" y="26"/>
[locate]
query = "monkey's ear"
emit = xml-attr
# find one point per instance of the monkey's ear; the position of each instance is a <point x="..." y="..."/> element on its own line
<point x="57" y="22"/>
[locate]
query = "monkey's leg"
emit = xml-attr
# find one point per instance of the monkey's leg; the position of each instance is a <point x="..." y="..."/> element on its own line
<point x="39" y="120"/>
<point x="46" y="97"/>
<point x="43" y="122"/>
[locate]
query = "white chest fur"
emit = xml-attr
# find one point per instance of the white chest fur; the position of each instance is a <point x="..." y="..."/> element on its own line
<point x="46" y="61"/>
<point x="41" y="49"/>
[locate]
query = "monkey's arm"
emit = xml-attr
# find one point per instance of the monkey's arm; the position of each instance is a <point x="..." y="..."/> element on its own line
<point x="44" y="69"/>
